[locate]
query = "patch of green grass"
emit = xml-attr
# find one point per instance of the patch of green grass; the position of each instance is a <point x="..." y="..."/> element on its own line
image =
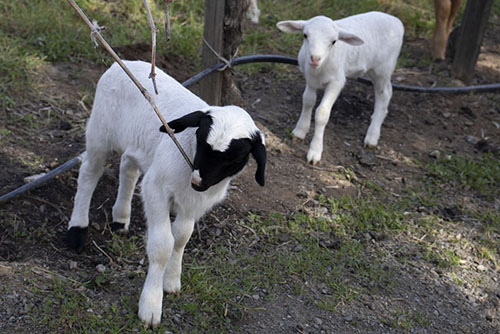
<point x="66" y="307"/>
<point x="125" y="246"/>
<point x="18" y="229"/>
<point x="406" y="320"/>
<point x="17" y="69"/>
<point x="482" y="174"/>
<point x="442" y="258"/>
<point x="490" y="220"/>
<point x="354" y="216"/>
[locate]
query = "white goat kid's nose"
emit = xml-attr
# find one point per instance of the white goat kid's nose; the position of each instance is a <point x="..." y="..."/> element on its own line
<point x="195" y="178"/>
<point x="315" y="60"/>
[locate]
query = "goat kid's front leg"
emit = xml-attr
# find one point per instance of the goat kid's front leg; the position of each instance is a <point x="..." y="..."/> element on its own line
<point x="383" y="94"/>
<point x="182" y="228"/>
<point x="304" y="122"/>
<point x="160" y="243"/>
<point x="321" y="117"/>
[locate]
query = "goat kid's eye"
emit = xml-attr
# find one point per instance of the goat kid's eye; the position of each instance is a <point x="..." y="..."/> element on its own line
<point x="305" y="36"/>
<point x="333" y="43"/>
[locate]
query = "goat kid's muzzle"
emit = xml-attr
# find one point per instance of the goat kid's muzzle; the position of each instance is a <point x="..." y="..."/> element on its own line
<point x="196" y="181"/>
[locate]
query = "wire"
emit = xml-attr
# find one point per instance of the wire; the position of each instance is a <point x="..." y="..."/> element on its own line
<point x="261" y="58"/>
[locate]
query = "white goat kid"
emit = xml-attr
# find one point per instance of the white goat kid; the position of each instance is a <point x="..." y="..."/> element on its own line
<point x="369" y="44"/>
<point x="220" y="139"/>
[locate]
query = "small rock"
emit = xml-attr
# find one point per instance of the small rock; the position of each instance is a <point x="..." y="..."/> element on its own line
<point x="100" y="268"/>
<point x="298" y="248"/>
<point x="472" y="139"/>
<point x="32" y="178"/>
<point x="256" y="296"/>
<point x="436" y="154"/>
<point x="366" y="158"/>
<point x="302" y="194"/>
<point x="446" y="114"/>
<point x="73" y="265"/>
<point x="348" y="317"/>
<point x="481" y="267"/>
<point x="322" y="211"/>
<point x="95" y="226"/>
<point x="318" y="321"/>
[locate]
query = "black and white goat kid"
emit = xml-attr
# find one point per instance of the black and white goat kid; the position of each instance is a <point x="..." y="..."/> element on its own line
<point x="219" y="139"/>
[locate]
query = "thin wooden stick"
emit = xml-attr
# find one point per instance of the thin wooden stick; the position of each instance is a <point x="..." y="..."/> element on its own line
<point x="167" y="19"/>
<point x="95" y="33"/>
<point x="154" y="31"/>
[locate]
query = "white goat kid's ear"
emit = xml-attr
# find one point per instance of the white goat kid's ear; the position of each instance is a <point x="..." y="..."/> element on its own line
<point x="349" y="38"/>
<point x="291" y="26"/>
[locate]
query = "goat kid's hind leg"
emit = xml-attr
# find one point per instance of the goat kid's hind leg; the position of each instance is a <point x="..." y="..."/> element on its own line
<point x="129" y="174"/>
<point x="383" y="94"/>
<point x="160" y="243"/>
<point x="321" y="117"/>
<point x="182" y="228"/>
<point x="89" y="174"/>
<point x="304" y="122"/>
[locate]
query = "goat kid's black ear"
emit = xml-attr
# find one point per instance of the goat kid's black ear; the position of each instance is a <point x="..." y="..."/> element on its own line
<point x="260" y="155"/>
<point x="186" y="121"/>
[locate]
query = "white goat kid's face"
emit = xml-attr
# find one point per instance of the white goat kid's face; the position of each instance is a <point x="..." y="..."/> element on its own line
<point x="225" y="138"/>
<point x="320" y="36"/>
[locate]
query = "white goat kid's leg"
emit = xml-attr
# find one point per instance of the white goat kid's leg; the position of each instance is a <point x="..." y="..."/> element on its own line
<point x="90" y="172"/>
<point x="159" y="247"/>
<point x="129" y="173"/>
<point x="182" y="228"/>
<point x="383" y="94"/>
<point x="321" y="117"/>
<point x="304" y="123"/>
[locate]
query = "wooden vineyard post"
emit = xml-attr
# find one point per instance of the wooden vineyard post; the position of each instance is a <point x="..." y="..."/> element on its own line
<point x="213" y="33"/>
<point x="470" y="38"/>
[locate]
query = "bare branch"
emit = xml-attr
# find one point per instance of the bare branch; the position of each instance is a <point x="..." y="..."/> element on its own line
<point x="144" y="92"/>
<point x="154" y="31"/>
<point x="167" y="19"/>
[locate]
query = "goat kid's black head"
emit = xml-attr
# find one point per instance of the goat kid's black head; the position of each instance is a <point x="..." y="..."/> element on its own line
<point x="214" y="164"/>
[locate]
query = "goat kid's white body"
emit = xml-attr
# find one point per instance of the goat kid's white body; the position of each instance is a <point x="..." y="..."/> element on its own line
<point x="382" y="37"/>
<point x="122" y="120"/>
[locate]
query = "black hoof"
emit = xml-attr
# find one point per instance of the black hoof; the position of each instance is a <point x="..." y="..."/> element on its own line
<point x="76" y="237"/>
<point x="117" y="227"/>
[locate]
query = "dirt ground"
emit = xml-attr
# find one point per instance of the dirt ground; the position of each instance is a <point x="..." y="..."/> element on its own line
<point x="417" y="126"/>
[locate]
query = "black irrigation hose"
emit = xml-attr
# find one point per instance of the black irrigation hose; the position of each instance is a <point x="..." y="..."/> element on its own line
<point x="241" y="61"/>
<point x="247" y="60"/>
